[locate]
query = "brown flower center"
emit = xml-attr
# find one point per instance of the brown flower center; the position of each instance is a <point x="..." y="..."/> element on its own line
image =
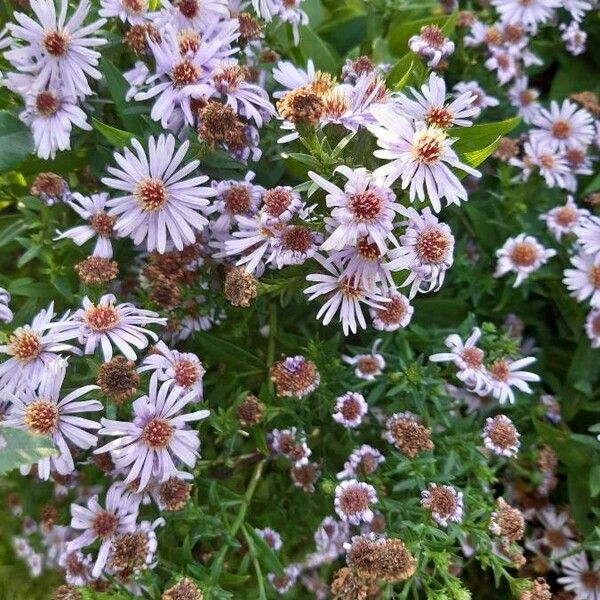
<point x="237" y="200"/>
<point x="575" y="157"/>
<point x="591" y="580"/>
<point x="527" y="97"/>
<point x="129" y="551"/>
<point x="105" y="524"/>
<point x="393" y="312"/>
<point x="561" y="129"/>
<point x="174" y="493"/>
<point x="366" y="206"/>
<point x="186" y="373"/>
<point x="439" y="116"/>
<point x="184" y="73"/>
<point x="157" y="433"/>
<point x="189" y="40"/>
<point x="188" y="8"/>
<point x="432" y="245"/>
<point x="24" y="345"/>
<point x="353" y="500"/>
<point x="151" y="194"/>
<point x="596" y="325"/>
<point x="442" y="501"/>
<point x="297" y="239"/>
<point x="46" y="103"/>
<point x="523" y="254"/>
<point x="472" y="356"/>
<point x="350" y="409"/>
<point x="41" y="417"/>
<point x="368" y="365"/>
<point x="433" y="35"/>
<point x="410" y="437"/>
<point x="135" y="7"/>
<point x="503" y="434"/>
<point x="428" y="145"/>
<point x="367" y="250"/>
<point x="493" y="36"/>
<point x="565" y="216"/>
<point x="56" y="43"/>
<point x="547" y="161"/>
<point x="102" y="318"/>
<point x="499" y="370"/>
<point x="229" y="78"/>
<point x="277" y="201"/>
<point x="348" y="288"/>
<point x="103" y="224"/>
<point x="594" y="276"/>
<point x="555" y="538"/>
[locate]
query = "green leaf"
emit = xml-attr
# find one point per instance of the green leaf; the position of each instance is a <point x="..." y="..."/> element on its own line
<point x="22" y="448"/>
<point x="480" y="137"/>
<point x="346" y="27"/>
<point x="9" y="232"/>
<point x="16" y="141"/>
<point x="311" y="46"/>
<point x="116" y="137"/>
<point x="595" y="480"/>
<point x="400" y="34"/>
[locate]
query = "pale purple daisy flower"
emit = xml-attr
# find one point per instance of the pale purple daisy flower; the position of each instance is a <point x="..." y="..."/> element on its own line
<point x="552" y="165"/>
<point x="362" y="461"/>
<point x="92" y="209"/>
<point x="367" y="366"/>
<point x="352" y="501"/>
<point x="32" y="348"/>
<point x="159" y="204"/>
<point x="431" y="45"/>
<point x="235" y="198"/>
<point x="468" y="359"/>
<point x="580" y="576"/>
<point x="344" y="296"/>
<point x="567" y="219"/>
<point x="426" y="249"/>
<point x="252" y="240"/>
<point x="106" y="324"/>
<point x="395" y="314"/>
<point x="482" y="100"/>
<point x="504" y="374"/>
<point x="183" y="368"/>
<point x="51" y="116"/>
<point x="291" y="444"/>
<point x="291" y="77"/>
<point x="280" y="204"/>
<point x="290" y="12"/>
<point x="532" y="12"/>
<point x="293" y="245"/>
<point x="102" y="524"/>
<point x="524" y="98"/>
<point x="271" y="537"/>
<point x="62" y="49"/>
<point x="577" y="8"/>
<point x="504" y="63"/>
<point x="574" y="38"/>
<point x="583" y="281"/>
<point x="41" y="412"/>
<point x="284" y="583"/>
<point x="363" y="208"/>
<point x="158" y="434"/>
<point x="592" y="327"/>
<point x="430" y="105"/>
<point x="198" y="15"/>
<point x="6" y="315"/>
<point x="522" y="255"/>
<point x="500" y="436"/>
<point x="558" y="535"/>
<point x="77" y="567"/>
<point x="350" y="410"/>
<point x="562" y="126"/>
<point x="444" y="502"/>
<point x="482" y="33"/>
<point x="132" y="11"/>
<point x="420" y="155"/>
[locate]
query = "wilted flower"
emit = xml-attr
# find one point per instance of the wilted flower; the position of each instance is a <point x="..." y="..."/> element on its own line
<point x="295" y="376"/>
<point x="444" y="502"/>
<point x="352" y="501"/>
<point x="500" y="436"/>
<point x="350" y="409"/>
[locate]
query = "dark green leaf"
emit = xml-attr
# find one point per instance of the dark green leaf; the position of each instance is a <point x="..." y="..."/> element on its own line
<point x="16" y="142"/>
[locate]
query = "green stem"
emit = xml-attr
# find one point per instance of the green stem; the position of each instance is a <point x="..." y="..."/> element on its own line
<point x="256" y="475"/>
<point x="262" y="592"/>
<point x="272" y="332"/>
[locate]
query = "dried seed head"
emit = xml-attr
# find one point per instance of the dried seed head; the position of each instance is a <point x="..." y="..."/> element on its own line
<point x="129" y="551"/>
<point x="305" y="475"/>
<point x="66" y="592"/>
<point x="507" y="522"/>
<point x="547" y="459"/>
<point x="408" y="435"/>
<point x="220" y="124"/>
<point x="539" y="590"/>
<point x="118" y="379"/>
<point x="104" y="524"/>
<point x="507" y="148"/>
<point x="249" y="28"/>
<point x="48" y="516"/>
<point x="588" y="100"/>
<point x="174" y="493"/>
<point x="185" y="589"/>
<point x="95" y="270"/>
<point x="103" y="461"/>
<point x="346" y="586"/>
<point x="137" y="37"/>
<point x="393" y="561"/>
<point x="361" y="557"/>
<point x="240" y="287"/>
<point x="250" y="411"/>
<point x="164" y="291"/>
<point x="301" y="105"/>
<point x="295" y="376"/>
<point x="48" y="185"/>
<point x="466" y="18"/>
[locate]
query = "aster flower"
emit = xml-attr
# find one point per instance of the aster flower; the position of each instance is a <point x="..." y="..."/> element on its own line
<point x="444" y="502"/>
<point x="295" y="376"/>
<point x="352" y="501"/>
<point x="234" y="198"/>
<point x="62" y="48"/>
<point x="574" y="38"/>
<point x="159" y="205"/>
<point x="500" y="436"/>
<point x="6" y="315"/>
<point x="363" y="208"/>
<point x="532" y="12"/>
<point x="132" y="11"/>
<point x="293" y="245"/>
<point x="252" y="241"/>
<point x="429" y="105"/>
<point x="504" y="374"/>
<point x="291" y="444"/>
<point x="367" y="366"/>
<point x="42" y="412"/>
<point x="198" y="15"/>
<point x="51" y="116"/>
<point x="482" y="100"/>
<point x="592" y="327"/>
<point x="344" y="296"/>
<point x="182" y="368"/>
<point x="588" y="234"/>
<point x="305" y="475"/>
<point x="581" y="577"/>
<point x="524" y="98"/>
<point x="426" y="249"/>
<point x="552" y="164"/>
<point x="406" y="432"/>
<point x="104" y="524"/>
<point x="577" y="8"/>
<point x="158" y="434"/>
<point x="32" y="348"/>
<point x="100" y="223"/>
<point x="562" y="126"/>
<point x="284" y="583"/>
<point x="394" y="314"/>
<point x="291" y="77"/>
<point x="77" y="567"/>
<point x="271" y="537"/>
<point x="567" y="219"/>
<point x="504" y="63"/>
<point x="522" y="255"/>
<point x="431" y="45"/>
<point x="420" y="155"/>
<point x="583" y="281"/>
<point x="468" y="359"/>
<point x="106" y="324"/>
<point x="364" y="460"/>
<point x="558" y="536"/>
<point x="350" y="410"/>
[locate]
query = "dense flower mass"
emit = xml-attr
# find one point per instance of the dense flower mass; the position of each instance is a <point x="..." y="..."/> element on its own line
<point x="299" y="298"/>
